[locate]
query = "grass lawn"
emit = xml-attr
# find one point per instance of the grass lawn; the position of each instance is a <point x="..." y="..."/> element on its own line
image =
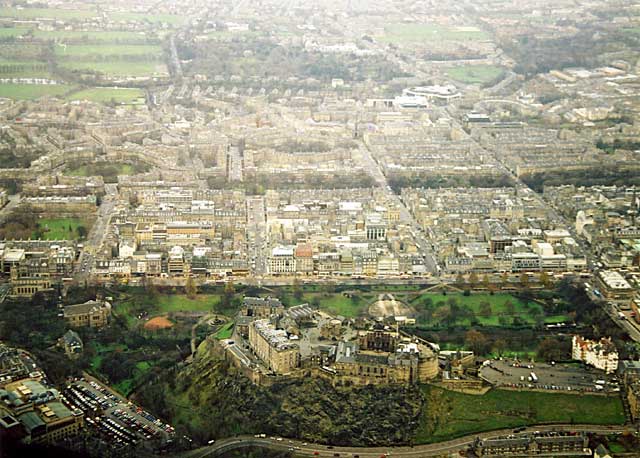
<point x="102" y="36"/>
<point x="61" y="228"/>
<point x="11" y="32"/>
<point x="225" y="331"/>
<point x="106" y="50"/>
<point x="131" y="307"/>
<point x="458" y="414"/>
<point x="32" y="91"/>
<point x="498" y="304"/>
<point x="108" y="94"/>
<point x="337" y="304"/>
<point x="172" y="19"/>
<point x="34" y="13"/>
<point x="410" y="33"/>
<point x="475" y="74"/>
<point x="181" y="303"/>
<point x="119" y="68"/>
<point x="126" y="386"/>
<point x="84" y="171"/>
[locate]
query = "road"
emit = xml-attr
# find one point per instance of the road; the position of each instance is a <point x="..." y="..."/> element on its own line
<point x="14" y="200"/>
<point x="425" y="247"/>
<point x="96" y="236"/>
<point x="612" y="310"/>
<point x="235" y="164"/>
<point x="175" y="60"/>
<point x="304" y="449"/>
<point x="256" y="227"/>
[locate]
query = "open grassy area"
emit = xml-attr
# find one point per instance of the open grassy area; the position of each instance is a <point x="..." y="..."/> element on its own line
<point x="101" y="36"/>
<point x="172" y="19"/>
<point x="106" y="50"/>
<point x="11" y="32"/>
<point x="110" y="94"/>
<point x="126" y="386"/>
<point x="412" y="33"/>
<point x="53" y="13"/>
<point x="225" y="331"/>
<point x="61" y="228"/>
<point x="119" y="68"/>
<point x="181" y="303"/>
<point x="339" y="304"/>
<point x="475" y="74"/>
<point x="501" y="312"/>
<point x="32" y="91"/>
<point x="454" y="414"/>
<point x="86" y="170"/>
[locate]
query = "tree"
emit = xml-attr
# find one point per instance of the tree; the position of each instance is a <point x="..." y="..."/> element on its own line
<point x="509" y="307"/>
<point x="190" y="288"/>
<point x="550" y="349"/>
<point x="485" y="282"/>
<point x="133" y="200"/>
<point x="473" y="279"/>
<point x="545" y="280"/>
<point x="297" y="290"/>
<point x="82" y="231"/>
<point x="524" y="280"/>
<point x="459" y="279"/>
<point x="477" y="342"/>
<point x="485" y="309"/>
<point x="505" y="280"/>
<point x="499" y="345"/>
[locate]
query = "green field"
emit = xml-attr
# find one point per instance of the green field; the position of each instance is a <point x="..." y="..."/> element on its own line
<point x="101" y="36"/>
<point x="225" y="331"/>
<point x="456" y="414"/>
<point x="32" y="91"/>
<point x="109" y="94"/>
<point x="338" y="304"/>
<point x="11" y="32"/>
<point x="527" y="313"/>
<point x="412" y="33"/>
<point x="475" y="74"/>
<point x="119" y="68"/>
<point x="103" y="51"/>
<point x="61" y="228"/>
<point x="126" y="386"/>
<point x="34" y="13"/>
<point x="85" y="171"/>
<point x="181" y="303"/>
<point x="172" y="19"/>
<point x="162" y="304"/>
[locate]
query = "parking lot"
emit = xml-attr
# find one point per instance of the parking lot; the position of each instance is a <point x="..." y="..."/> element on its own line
<point x="558" y="377"/>
<point x="118" y="420"/>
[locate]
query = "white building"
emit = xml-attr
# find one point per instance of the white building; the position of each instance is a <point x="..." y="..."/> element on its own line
<point x="600" y="354"/>
<point x="282" y="261"/>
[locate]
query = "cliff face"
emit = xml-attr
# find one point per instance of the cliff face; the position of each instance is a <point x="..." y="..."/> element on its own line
<point x="212" y="401"/>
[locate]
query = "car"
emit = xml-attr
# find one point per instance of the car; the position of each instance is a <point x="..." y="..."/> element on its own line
<point x="316" y="453"/>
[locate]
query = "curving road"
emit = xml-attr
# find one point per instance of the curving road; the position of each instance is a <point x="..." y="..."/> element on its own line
<point x="304" y="449"/>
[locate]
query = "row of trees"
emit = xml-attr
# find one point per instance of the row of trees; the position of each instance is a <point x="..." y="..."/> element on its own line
<point x="397" y="181"/>
<point x="474" y="281"/>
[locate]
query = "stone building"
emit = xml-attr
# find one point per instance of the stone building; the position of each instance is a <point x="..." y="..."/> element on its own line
<point x="94" y="314"/>
<point x="273" y="346"/>
<point x="600" y="354"/>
